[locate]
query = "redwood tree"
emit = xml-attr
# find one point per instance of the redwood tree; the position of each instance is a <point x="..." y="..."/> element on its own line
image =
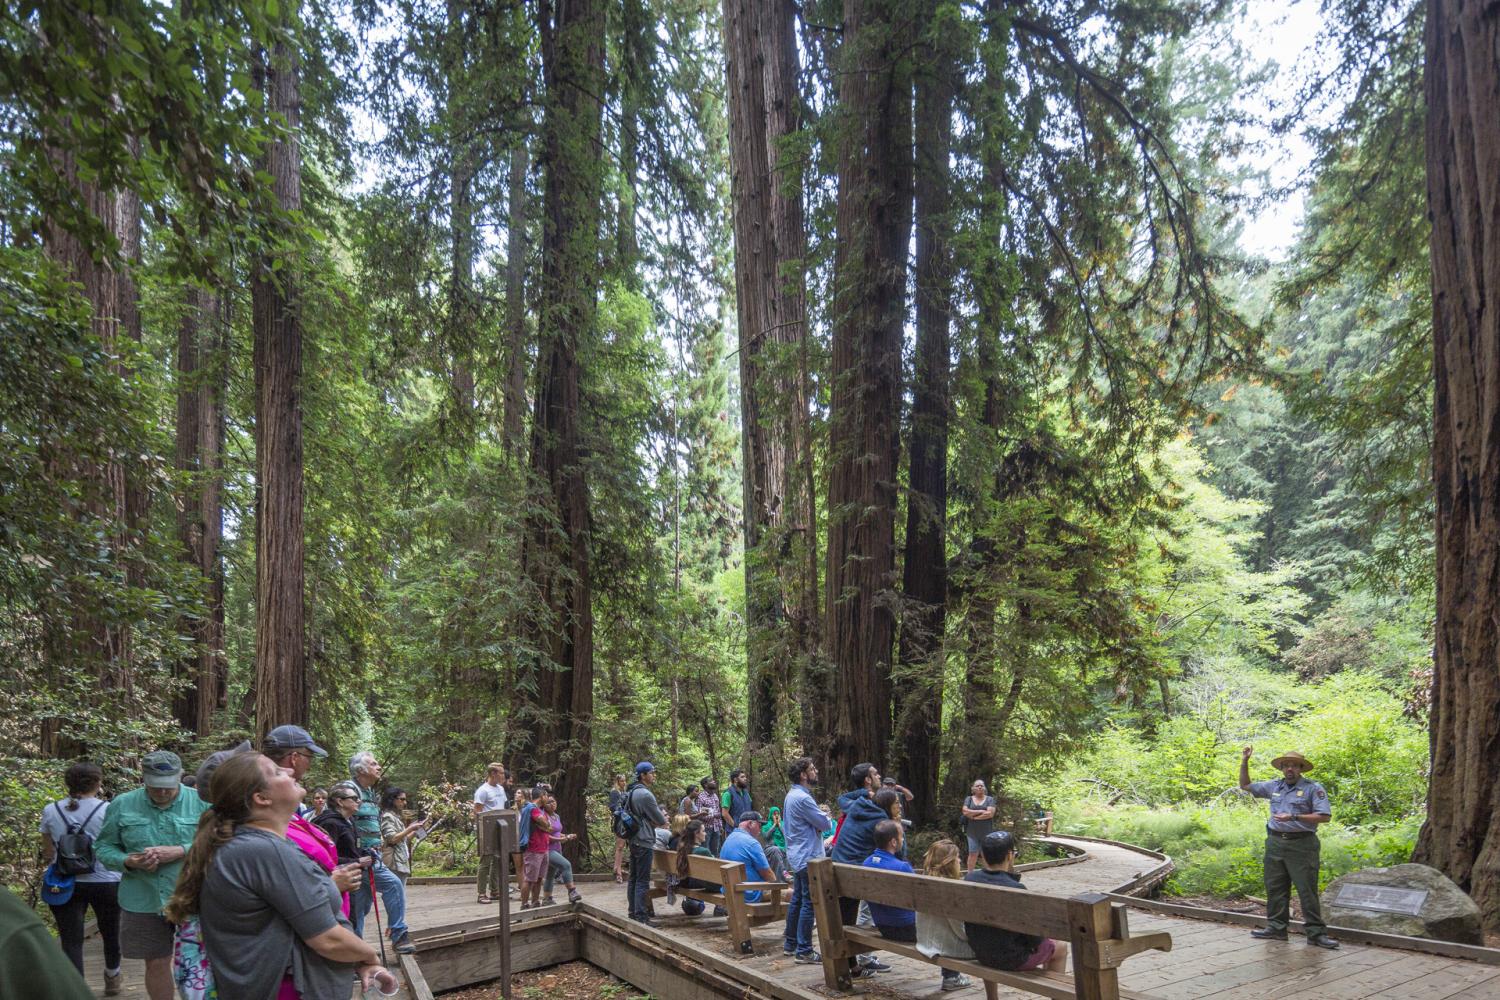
<point x="869" y="309"/>
<point x="770" y="236"/>
<point x="557" y="554"/>
<point x="1462" y="834"/>
<point x="281" y="693"/>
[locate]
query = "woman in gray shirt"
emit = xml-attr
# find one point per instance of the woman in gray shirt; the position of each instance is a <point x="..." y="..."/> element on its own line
<point x="268" y="912"/>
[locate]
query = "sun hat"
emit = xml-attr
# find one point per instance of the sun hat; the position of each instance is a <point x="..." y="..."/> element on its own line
<point x="1292" y="757"/>
<point x="161" y="769"/>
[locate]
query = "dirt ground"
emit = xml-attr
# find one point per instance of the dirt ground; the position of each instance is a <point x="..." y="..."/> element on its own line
<point x="571" y="981"/>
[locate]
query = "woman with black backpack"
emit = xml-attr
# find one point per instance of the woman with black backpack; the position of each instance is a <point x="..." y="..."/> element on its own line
<point x="68" y="828"/>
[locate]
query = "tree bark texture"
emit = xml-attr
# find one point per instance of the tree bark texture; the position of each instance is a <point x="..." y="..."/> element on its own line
<point x="558" y="533"/>
<point x="869" y="307"/>
<point x="110" y="493"/>
<point x="281" y="687"/>
<point x="1461" y="836"/>
<point x="781" y="598"/>
<point x="202" y="377"/>
<point x="919" y="677"/>
<point x="517" y="356"/>
<point x="462" y="314"/>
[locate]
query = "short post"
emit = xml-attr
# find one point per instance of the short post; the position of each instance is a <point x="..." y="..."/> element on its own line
<point x="497" y="839"/>
<point x="1091" y="920"/>
<point x="825" y="900"/>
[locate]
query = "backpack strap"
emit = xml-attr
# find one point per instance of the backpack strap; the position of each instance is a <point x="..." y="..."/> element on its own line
<point x="90" y="817"/>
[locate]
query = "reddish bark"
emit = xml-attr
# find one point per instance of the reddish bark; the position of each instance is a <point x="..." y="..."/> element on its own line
<point x="1461" y="836"/>
<point x="869" y="307"/>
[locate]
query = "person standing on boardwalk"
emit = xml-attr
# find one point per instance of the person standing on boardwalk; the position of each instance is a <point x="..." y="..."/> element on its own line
<point x="66" y="822"/>
<point x="735" y="801"/>
<point x="490" y="795"/>
<point x="641" y="804"/>
<point x="710" y="812"/>
<point x="146" y="834"/>
<point x="804" y="824"/>
<point x="1292" y="852"/>
<point x="979" y="818"/>
<point x="366" y="772"/>
<point x="616" y="797"/>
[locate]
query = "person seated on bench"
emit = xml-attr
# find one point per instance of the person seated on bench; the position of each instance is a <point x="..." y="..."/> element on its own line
<point x="692" y="841"/>
<point x="943" y="935"/>
<point x="894" y="923"/>
<point x="743" y="845"/>
<point x="1002" y="949"/>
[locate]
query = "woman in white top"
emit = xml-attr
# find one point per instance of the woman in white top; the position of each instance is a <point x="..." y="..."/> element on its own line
<point x="82" y="812"/>
<point x="939" y="935"/>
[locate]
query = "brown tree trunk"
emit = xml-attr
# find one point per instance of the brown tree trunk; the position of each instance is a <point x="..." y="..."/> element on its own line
<point x="869" y="308"/>
<point x="202" y="345"/>
<point x="461" y="311"/>
<point x="517" y="357"/>
<point x="1461" y="836"/>
<point x="770" y="244"/>
<point x="281" y="688"/>
<point x="919" y="678"/>
<point x="557" y="555"/>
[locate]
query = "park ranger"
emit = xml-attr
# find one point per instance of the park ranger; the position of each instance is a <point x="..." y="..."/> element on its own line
<point x="1297" y="807"/>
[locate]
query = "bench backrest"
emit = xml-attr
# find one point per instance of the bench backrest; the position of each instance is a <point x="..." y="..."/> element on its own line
<point x="700" y="867"/>
<point x="1010" y="909"/>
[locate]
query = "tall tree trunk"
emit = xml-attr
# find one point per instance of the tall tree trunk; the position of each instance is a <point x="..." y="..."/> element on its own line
<point x="770" y="243"/>
<point x="635" y="61"/>
<point x="558" y="536"/>
<point x="515" y="301"/>
<point x="869" y="309"/>
<point x="202" y="346"/>
<point x="281" y="688"/>
<point x="919" y="678"/>
<point x="461" y="167"/>
<point x="1461" y="836"/>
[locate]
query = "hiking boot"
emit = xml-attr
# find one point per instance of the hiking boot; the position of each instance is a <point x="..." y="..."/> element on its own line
<point x="1268" y="934"/>
<point x="808" y="958"/>
<point x="112" y="983"/>
<point x="403" y="943"/>
<point x="951" y="983"/>
<point x="648" y="921"/>
<point x="1323" y="941"/>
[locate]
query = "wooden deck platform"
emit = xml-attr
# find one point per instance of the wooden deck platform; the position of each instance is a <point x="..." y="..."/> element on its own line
<point x="1209" y="959"/>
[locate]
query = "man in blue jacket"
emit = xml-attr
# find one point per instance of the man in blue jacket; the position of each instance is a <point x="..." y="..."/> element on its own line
<point x="856" y="841"/>
<point x="893" y="922"/>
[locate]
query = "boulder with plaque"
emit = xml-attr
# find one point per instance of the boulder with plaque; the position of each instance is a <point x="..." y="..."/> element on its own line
<point x="1412" y="900"/>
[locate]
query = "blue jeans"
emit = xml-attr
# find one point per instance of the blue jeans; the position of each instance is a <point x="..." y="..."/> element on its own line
<point x="799" y="916"/>
<point x="392" y="896"/>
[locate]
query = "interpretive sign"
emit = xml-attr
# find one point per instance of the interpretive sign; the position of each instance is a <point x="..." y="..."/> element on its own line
<point x="1384" y="898"/>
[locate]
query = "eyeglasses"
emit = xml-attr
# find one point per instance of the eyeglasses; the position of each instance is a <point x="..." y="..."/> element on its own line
<point x="299" y="753"/>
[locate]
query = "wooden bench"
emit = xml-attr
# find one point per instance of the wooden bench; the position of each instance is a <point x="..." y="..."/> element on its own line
<point x="732" y="878"/>
<point x="1097" y="930"/>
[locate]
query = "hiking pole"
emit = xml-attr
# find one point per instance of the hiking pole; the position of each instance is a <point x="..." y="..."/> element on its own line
<point x="375" y="901"/>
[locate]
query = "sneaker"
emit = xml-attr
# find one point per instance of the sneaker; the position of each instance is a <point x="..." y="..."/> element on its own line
<point x="788" y="952"/>
<point x="873" y="964"/>
<point x="808" y="958"/>
<point x="951" y="983"/>
<point x="574" y="896"/>
<point x="548" y="901"/>
<point x="525" y="906"/>
<point x="719" y="911"/>
<point x="112" y="983"/>
<point x="403" y="943"/>
<point x="648" y="921"/>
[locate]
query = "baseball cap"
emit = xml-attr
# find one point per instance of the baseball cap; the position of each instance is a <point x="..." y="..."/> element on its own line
<point x="161" y="769"/>
<point x="750" y="816"/>
<point x="291" y="738"/>
<point x="643" y="767"/>
<point x="211" y="764"/>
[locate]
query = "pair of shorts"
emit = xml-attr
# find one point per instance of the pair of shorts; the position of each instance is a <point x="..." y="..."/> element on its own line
<point x="534" y="866"/>
<point x="1040" y="957"/>
<point x="973" y="845"/>
<point x="145" y="935"/>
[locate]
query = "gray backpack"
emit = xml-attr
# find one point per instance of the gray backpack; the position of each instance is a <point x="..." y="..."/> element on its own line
<point x="75" y="849"/>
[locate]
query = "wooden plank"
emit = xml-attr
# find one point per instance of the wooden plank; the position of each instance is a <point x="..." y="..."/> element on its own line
<point x="467" y="961"/>
<point x="1311" y="979"/>
<point x="830" y="924"/>
<point x="1092" y="922"/>
<point x="1427" y="946"/>
<point x="1011" y="909"/>
<point x="1265" y="973"/>
<point x="1450" y="982"/>
<point x="416" y="983"/>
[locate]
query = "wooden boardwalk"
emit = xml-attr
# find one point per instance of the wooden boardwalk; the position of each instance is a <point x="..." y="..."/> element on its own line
<point x="1208" y="959"/>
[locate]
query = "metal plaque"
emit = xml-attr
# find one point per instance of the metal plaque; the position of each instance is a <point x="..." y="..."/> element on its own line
<point x="1384" y="898"/>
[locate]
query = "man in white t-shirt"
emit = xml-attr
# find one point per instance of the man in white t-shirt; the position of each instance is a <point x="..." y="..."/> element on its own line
<point x="491" y="795"/>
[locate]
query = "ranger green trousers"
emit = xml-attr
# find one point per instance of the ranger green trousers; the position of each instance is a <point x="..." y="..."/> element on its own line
<point x="1293" y="863"/>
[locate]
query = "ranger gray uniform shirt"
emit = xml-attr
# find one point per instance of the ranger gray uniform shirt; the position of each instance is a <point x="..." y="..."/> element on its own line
<point x="1303" y="797"/>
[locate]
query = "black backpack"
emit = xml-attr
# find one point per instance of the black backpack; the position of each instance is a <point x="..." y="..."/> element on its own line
<point x="625" y="822"/>
<point x="75" y="849"/>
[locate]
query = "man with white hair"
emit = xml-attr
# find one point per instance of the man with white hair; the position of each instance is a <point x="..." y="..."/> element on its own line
<point x="365" y="770"/>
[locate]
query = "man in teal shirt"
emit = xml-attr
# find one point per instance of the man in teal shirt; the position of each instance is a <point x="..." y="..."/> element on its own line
<point x="366" y="772"/>
<point x="146" y="834"/>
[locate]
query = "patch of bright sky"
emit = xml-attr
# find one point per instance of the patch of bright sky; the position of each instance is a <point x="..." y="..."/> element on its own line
<point x="1283" y="32"/>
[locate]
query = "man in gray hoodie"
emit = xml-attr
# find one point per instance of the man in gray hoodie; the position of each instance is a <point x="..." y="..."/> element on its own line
<point x="641" y="803"/>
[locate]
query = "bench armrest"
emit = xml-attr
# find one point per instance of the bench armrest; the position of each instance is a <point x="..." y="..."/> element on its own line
<point x="1116" y="951"/>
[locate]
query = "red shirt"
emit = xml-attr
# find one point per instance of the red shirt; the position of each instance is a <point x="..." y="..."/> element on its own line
<point x="540" y="840"/>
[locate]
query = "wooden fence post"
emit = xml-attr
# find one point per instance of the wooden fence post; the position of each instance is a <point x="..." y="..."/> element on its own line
<point x="1089" y="914"/>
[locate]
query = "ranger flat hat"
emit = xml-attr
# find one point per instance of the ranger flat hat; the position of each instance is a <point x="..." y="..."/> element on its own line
<point x="1292" y="757"/>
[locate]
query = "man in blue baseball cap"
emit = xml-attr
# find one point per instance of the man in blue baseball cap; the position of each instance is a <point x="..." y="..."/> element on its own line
<point x="293" y="747"/>
<point x="641" y="803"/>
